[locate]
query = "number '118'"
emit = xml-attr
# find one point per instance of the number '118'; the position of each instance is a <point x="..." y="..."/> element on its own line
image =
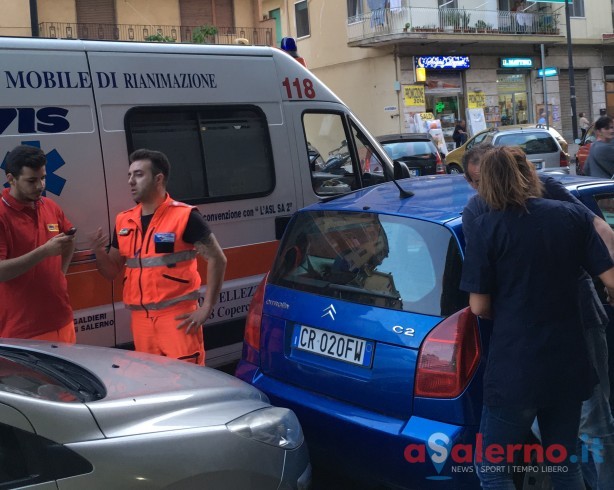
<point x="298" y="90"/>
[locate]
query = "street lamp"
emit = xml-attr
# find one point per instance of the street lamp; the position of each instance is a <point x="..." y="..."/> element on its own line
<point x="34" y="18"/>
<point x="572" y="82"/>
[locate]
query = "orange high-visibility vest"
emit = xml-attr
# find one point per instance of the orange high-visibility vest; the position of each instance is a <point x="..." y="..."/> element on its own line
<point x="161" y="268"/>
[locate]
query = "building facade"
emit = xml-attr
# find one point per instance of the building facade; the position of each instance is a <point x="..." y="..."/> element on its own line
<point x="475" y="54"/>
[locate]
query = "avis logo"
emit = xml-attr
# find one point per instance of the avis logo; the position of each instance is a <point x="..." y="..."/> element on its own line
<point x="54" y="183"/>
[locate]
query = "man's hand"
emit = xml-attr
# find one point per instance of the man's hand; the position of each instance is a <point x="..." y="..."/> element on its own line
<point x="108" y="259"/>
<point x="99" y="241"/>
<point x="58" y="245"/>
<point x="192" y="321"/>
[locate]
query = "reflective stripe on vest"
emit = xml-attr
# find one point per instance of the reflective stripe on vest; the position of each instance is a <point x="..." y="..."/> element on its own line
<point x="164" y="304"/>
<point x="162" y="260"/>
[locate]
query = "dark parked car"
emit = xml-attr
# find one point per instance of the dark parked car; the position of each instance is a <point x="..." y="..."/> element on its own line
<point x="82" y="417"/>
<point x="416" y="150"/>
<point x="361" y="329"/>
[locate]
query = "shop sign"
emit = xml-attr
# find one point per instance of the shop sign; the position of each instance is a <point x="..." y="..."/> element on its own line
<point x="476" y="100"/>
<point x="443" y="62"/>
<point x="551" y="71"/>
<point x="414" y="95"/>
<point x="516" y="63"/>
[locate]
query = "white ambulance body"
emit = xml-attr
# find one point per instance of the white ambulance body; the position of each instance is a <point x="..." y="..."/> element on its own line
<point x="250" y="134"/>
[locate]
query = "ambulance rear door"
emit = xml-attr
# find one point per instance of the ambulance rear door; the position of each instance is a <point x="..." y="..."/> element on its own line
<point x="46" y="100"/>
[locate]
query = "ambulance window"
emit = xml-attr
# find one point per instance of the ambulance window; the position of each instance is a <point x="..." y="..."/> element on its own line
<point x="216" y="153"/>
<point x="370" y="164"/>
<point x="330" y="160"/>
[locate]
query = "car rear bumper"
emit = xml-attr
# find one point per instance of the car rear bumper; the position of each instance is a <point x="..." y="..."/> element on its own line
<point x="370" y="445"/>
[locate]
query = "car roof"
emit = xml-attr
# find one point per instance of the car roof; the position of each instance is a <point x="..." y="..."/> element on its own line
<point x="387" y="138"/>
<point x="521" y="127"/>
<point x="440" y="199"/>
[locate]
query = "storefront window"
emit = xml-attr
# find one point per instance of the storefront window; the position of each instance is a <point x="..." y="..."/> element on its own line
<point x="443" y="91"/>
<point x="514" y="107"/>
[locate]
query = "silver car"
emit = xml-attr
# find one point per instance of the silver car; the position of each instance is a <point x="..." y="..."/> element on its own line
<point x="75" y="417"/>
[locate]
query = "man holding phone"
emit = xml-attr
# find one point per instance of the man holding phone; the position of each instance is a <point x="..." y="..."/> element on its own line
<point x="36" y="246"/>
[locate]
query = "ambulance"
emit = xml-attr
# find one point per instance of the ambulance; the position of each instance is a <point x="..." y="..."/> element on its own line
<point x="249" y="132"/>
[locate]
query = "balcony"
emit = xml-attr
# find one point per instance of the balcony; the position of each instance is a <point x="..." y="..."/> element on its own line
<point x="414" y="24"/>
<point x="133" y="32"/>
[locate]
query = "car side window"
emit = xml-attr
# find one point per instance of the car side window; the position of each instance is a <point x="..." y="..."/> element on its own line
<point x="605" y="202"/>
<point x="606" y="205"/>
<point x="370" y="165"/>
<point x="477" y="140"/>
<point x="219" y="153"/>
<point x="330" y="161"/>
<point x="30" y="459"/>
<point x="13" y="461"/>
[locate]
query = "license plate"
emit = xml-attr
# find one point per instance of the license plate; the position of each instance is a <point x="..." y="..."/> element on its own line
<point x="414" y="172"/>
<point x="538" y="165"/>
<point x="333" y="345"/>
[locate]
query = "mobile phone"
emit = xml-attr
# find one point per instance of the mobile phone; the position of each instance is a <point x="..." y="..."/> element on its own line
<point x="72" y="231"/>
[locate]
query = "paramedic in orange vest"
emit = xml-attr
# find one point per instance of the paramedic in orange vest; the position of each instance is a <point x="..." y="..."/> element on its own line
<point x="158" y="241"/>
<point x="36" y="247"/>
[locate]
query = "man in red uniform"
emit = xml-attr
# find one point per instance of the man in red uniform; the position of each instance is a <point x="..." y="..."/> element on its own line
<point x="158" y="241"/>
<point x="35" y="253"/>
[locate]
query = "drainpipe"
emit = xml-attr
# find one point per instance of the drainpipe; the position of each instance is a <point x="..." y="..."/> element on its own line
<point x="34" y="18"/>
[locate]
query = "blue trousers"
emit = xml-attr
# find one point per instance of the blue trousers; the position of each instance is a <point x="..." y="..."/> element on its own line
<point x="505" y="426"/>
<point x="596" y="421"/>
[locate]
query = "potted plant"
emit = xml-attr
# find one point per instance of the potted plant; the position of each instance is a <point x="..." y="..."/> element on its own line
<point x="482" y="26"/>
<point x="204" y="34"/>
<point x="407" y="27"/>
<point x="465" y="20"/>
<point x="159" y="38"/>
<point x="449" y="19"/>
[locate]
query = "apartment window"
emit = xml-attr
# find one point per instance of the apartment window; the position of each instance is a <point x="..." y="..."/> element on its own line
<point x="301" y="14"/>
<point x="576" y="8"/>
<point x="217" y="153"/>
<point x="354" y="9"/>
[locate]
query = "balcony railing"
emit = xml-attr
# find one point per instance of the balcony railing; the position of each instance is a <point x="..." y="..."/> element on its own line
<point x="133" y="32"/>
<point x="384" y="22"/>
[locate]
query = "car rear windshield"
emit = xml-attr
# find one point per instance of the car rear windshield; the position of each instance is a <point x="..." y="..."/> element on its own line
<point x="405" y="149"/>
<point x="373" y="259"/>
<point x="531" y="143"/>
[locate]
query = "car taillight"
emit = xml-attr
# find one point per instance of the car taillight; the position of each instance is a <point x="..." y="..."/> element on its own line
<point x="254" y="318"/>
<point x="448" y="357"/>
<point x="440" y="168"/>
<point x="564" y="161"/>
